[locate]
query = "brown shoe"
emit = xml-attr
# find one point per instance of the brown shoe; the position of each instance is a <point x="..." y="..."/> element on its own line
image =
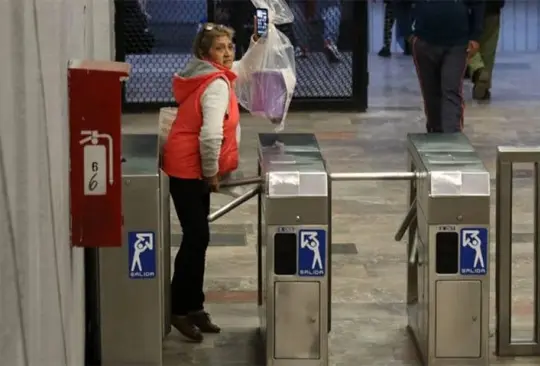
<point x="185" y="326"/>
<point x="201" y="319"/>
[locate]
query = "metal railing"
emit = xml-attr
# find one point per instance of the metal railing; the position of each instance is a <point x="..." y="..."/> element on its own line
<point x="337" y="177"/>
<point x="505" y="345"/>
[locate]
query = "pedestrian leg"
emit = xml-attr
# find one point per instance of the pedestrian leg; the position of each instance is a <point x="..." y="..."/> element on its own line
<point x="482" y="72"/>
<point x="453" y="68"/>
<point x="427" y="60"/>
<point x="387" y="30"/>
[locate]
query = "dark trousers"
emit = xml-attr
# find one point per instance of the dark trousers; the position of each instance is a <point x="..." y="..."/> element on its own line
<point x="440" y="70"/>
<point x="191" y="199"/>
<point x="404" y="20"/>
<point x="389" y="21"/>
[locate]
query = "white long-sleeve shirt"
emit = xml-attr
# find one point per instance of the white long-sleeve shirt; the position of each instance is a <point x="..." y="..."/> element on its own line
<point x="214" y="103"/>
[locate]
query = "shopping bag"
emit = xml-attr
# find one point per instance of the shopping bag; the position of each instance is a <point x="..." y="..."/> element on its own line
<point x="267" y="72"/>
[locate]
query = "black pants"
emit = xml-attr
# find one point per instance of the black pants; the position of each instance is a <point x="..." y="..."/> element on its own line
<point x="389" y="21"/>
<point x="441" y="71"/>
<point x="191" y="199"/>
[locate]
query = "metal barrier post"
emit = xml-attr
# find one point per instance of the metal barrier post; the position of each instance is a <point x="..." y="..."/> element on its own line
<point x="505" y="346"/>
<point x="293" y="250"/>
<point x="448" y="277"/>
<point x="134" y="279"/>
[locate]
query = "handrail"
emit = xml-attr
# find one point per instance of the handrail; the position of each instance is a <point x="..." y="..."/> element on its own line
<point x="340" y="177"/>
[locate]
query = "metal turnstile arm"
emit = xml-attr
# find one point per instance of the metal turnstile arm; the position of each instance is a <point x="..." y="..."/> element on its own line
<point x="234" y="204"/>
<point x="409" y="222"/>
<point x="240" y="182"/>
<point x="363" y="176"/>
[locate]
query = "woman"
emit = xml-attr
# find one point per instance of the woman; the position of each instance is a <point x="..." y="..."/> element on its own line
<point x="201" y="147"/>
<point x="481" y="63"/>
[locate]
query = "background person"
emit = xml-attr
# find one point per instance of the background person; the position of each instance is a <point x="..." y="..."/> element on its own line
<point x="403" y="12"/>
<point x="305" y="13"/>
<point x="445" y="34"/>
<point x="481" y="64"/>
<point x="389" y="21"/>
<point x="201" y="147"/>
<point x="330" y="11"/>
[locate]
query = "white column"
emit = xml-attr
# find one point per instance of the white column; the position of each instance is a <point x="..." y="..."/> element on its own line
<point x="41" y="277"/>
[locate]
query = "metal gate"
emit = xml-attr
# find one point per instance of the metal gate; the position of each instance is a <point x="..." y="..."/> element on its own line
<point x="155" y="36"/>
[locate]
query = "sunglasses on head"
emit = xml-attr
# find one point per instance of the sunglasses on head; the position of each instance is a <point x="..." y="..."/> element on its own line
<point x="210" y="26"/>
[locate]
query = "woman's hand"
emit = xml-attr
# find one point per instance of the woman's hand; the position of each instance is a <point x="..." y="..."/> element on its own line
<point x="255" y="34"/>
<point x="213" y="183"/>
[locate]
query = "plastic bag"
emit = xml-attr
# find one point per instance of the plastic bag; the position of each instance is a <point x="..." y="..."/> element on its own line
<point x="267" y="72"/>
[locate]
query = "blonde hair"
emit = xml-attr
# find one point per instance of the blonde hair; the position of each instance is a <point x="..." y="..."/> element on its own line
<point x="205" y="38"/>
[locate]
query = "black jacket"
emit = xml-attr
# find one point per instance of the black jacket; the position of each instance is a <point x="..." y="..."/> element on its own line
<point x="448" y="22"/>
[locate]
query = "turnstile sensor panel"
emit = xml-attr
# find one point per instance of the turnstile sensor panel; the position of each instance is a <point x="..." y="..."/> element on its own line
<point x="285" y="253"/>
<point x="447" y="252"/>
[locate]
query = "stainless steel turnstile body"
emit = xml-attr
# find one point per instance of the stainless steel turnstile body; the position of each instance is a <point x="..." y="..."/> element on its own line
<point x="293" y="250"/>
<point x="448" y="269"/>
<point x="134" y="279"/>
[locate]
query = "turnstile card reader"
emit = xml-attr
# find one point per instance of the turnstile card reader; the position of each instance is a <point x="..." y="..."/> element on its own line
<point x="448" y="269"/>
<point x="293" y="250"/>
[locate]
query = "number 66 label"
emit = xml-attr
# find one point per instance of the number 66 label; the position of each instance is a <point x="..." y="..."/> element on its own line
<point x="95" y="170"/>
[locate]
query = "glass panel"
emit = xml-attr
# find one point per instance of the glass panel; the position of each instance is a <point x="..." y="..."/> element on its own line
<point x="522" y="310"/>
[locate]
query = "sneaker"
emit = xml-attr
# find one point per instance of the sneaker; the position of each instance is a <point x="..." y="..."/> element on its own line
<point x="477" y="95"/>
<point x="187" y="328"/>
<point x="385" y="52"/>
<point x="201" y="319"/>
<point x="332" y="53"/>
<point x="480" y="78"/>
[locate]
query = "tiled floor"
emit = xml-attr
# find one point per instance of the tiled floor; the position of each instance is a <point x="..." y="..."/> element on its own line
<point x="369" y="276"/>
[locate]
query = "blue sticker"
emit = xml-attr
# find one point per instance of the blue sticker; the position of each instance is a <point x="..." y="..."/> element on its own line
<point x="142" y="254"/>
<point x="312" y="253"/>
<point x="473" y="251"/>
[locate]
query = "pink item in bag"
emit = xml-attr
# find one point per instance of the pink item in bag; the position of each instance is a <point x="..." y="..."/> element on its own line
<point x="269" y="95"/>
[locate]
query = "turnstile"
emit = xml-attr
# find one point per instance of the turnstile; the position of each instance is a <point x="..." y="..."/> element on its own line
<point x="293" y="250"/>
<point x="448" y="252"/>
<point x="448" y="248"/>
<point x="134" y="280"/>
